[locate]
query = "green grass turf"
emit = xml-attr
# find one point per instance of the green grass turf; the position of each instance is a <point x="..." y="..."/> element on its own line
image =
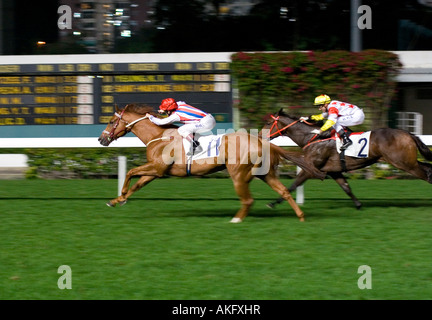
<point x="173" y="240"/>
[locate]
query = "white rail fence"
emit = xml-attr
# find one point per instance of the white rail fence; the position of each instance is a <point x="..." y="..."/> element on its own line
<point x="17" y="160"/>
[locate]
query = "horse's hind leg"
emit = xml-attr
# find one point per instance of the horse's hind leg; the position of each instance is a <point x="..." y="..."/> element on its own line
<point x="427" y="167"/>
<point x="340" y="179"/>
<point x="407" y="161"/>
<point x="242" y="189"/>
<point x="423" y="170"/>
<point x="278" y="186"/>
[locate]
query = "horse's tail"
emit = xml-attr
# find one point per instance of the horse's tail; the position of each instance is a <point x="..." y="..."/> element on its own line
<point x="424" y="149"/>
<point x="299" y="159"/>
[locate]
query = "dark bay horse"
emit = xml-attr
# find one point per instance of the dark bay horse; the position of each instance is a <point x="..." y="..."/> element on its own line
<point x="394" y="146"/>
<point x="244" y="156"/>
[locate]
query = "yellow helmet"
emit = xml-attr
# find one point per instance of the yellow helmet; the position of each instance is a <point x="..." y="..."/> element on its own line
<point x="322" y="99"/>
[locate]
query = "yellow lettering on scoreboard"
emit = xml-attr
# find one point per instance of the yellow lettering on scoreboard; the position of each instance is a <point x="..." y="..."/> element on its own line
<point x="204" y="66"/>
<point x="45" y="67"/>
<point x="47" y="99"/>
<point x="12" y="121"/>
<point x="182" y="77"/>
<point x="107" y="88"/>
<point x="66" y="67"/>
<point x="139" y="78"/>
<point x="10" y="100"/>
<point x="84" y="67"/>
<point x="10" y="80"/>
<point x="45" y="89"/>
<point x="104" y="119"/>
<point x="46" y="79"/>
<point x="153" y="88"/>
<point x="10" y="68"/>
<point x="106" y="67"/>
<point x="143" y="66"/>
<point x="67" y="89"/>
<point x="107" y="99"/>
<point x="15" y="90"/>
<point x="106" y="109"/>
<point x="182" y="87"/>
<point x="222" y="65"/>
<point x="14" y="110"/>
<point x="39" y="110"/>
<point x="183" y="66"/>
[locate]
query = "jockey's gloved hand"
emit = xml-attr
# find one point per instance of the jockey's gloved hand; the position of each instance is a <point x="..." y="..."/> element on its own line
<point x="304" y="118"/>
<point x="316" y="131"/>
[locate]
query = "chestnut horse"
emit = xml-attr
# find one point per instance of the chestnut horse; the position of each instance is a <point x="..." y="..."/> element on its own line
<point x="394" y="146"/>
<point x="243" y="155"/>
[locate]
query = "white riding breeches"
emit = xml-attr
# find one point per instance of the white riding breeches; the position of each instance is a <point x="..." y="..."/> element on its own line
<point x="205" y="124"/>
<point x="350" y="120"/>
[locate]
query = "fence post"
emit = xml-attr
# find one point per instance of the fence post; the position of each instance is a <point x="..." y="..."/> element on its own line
<point x="121" y="172"/>
<point x="299" y="191"/>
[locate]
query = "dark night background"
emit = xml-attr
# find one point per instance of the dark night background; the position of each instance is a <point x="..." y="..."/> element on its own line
<point x="318" y="25"/>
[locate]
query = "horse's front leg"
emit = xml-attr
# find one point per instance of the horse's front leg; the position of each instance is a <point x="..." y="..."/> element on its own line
<point x="147" y="172"/>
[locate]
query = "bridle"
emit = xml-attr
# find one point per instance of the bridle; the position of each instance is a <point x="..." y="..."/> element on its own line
<point x="111" y="134"/>
<point x="275" y="124"/>
<point x="280" y="131"/>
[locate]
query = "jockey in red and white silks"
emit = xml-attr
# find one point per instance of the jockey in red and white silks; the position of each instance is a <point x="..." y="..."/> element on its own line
<point x="194" y="119"/>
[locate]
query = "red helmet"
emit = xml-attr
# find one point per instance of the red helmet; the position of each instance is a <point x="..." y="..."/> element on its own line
<point x="168" y="105"/>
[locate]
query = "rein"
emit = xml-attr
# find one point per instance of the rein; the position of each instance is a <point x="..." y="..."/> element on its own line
<point x="111" y="134"/>
<point x="276" y="119"/>
<point x="135" y="121"/>
<point x="161" y="138"/>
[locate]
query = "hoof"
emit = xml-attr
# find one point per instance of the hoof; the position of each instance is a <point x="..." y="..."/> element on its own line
<point x="270" y="205"/>
<point x="236" y="220"/>
<point x="110" y="204"/>
<point x="122" y="203"/>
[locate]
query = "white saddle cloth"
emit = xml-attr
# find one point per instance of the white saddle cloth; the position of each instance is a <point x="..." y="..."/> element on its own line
<point x="209" y="146"/>
<point x="359" y="147"/>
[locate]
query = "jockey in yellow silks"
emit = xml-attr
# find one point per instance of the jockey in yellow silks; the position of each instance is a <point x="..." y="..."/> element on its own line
<point x="339" y="115"/>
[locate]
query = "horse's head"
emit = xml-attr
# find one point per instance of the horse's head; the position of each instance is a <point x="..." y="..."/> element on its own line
<point x="276" y="124"/>
<point x="116" y="128"/>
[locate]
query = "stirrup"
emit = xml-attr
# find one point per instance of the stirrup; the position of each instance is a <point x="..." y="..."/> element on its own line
<point x="195" y="144"/>
<point x="346" y="144"/>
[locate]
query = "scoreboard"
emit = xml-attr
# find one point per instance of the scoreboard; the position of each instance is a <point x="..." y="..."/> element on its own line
<point x="86" y="93"/>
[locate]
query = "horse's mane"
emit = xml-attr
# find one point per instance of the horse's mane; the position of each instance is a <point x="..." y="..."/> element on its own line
<point x="268" y="117"/>
<point x="140" y="108"/>
<point x="143" y="109"/>
<point x="314" y="124"/>
<point x="282" y="113"/>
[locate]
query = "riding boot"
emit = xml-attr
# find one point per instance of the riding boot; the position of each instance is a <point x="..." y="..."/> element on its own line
<point x="196" y="147"/>
<point x="195" y="144"/>
<point x="346" y="141"/>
